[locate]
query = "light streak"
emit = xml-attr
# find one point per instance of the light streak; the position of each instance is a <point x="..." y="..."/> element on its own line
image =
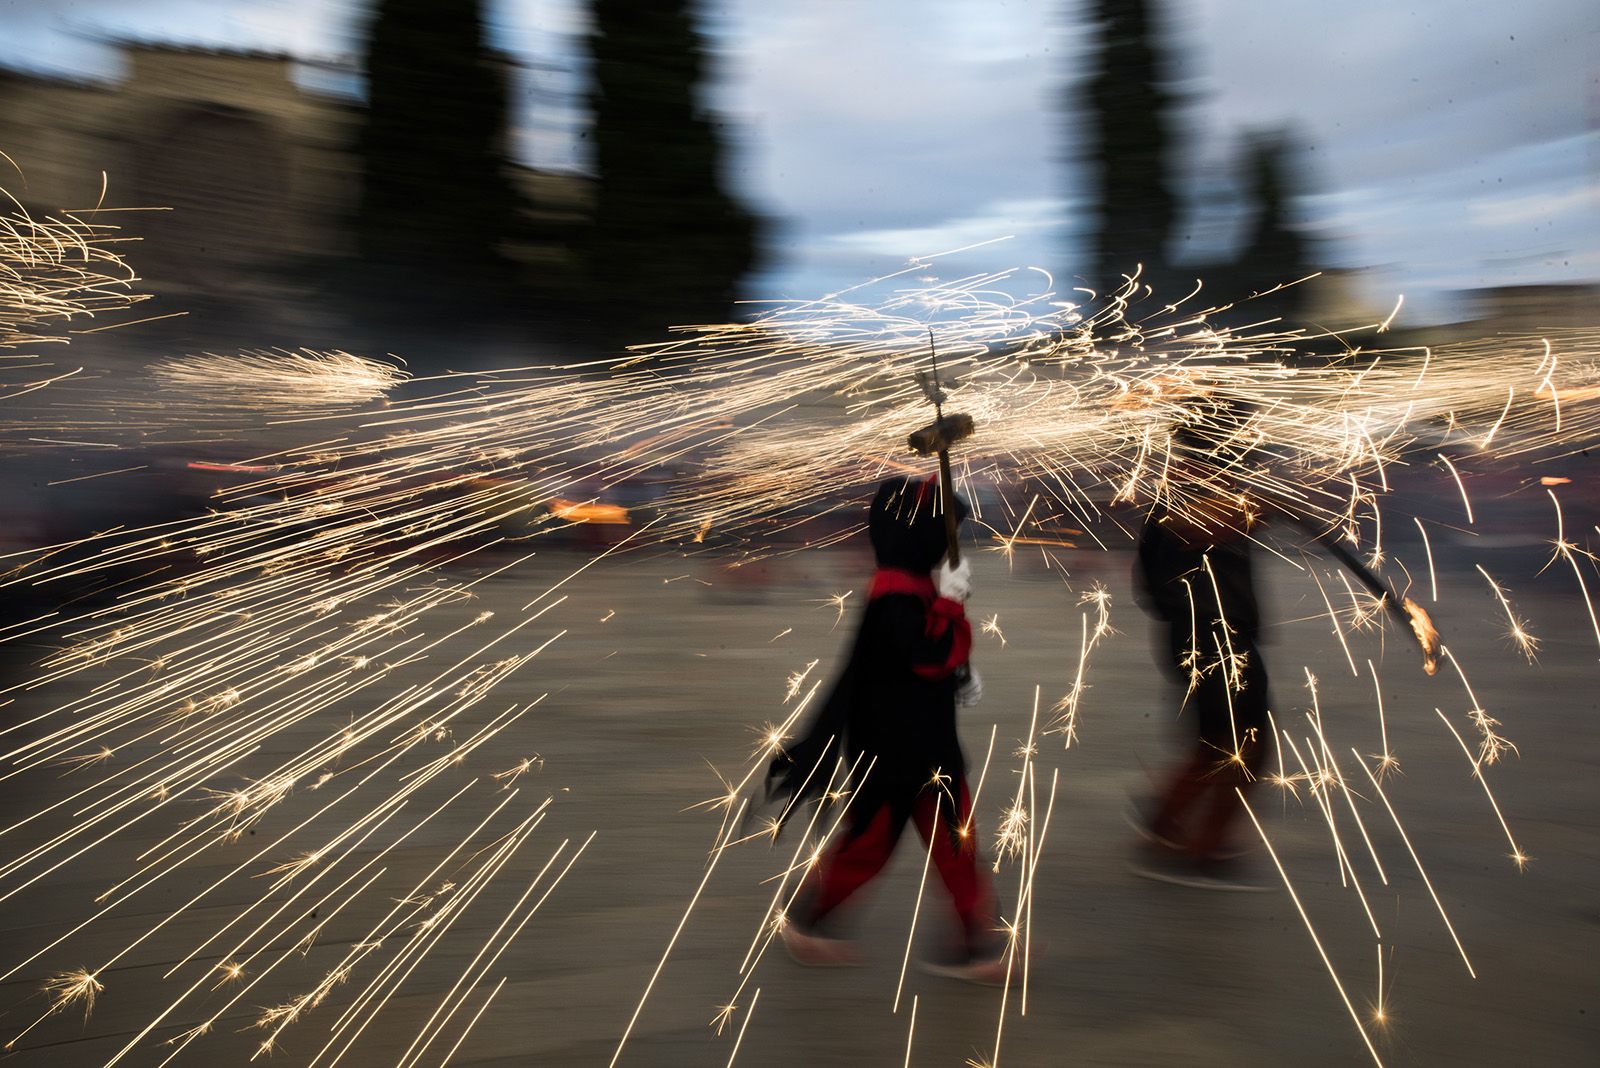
<point x="1517" y="628"/>
<point x="53" y="272"/>
<point x="448" y="1057"/>
<point x="745" y="1023"/>
<point x="711" y="866"/>
<point x="302" y="383"/>
<point x="1398" y="304"/>
<point x="1567" y="550"/>
<point x="1491" y="744"/>
<point x="1333" y="618"/>
<point x="1065" y="712"/>
<point x="778" y="918"/>
<point x="1511" y="394"/>
<point x="1011" y="835"/>
<point x="489" y="954"/>
<point x="1546" y="385"/>
<point x="1386" y="759"/>
<point x="916" y="909"/>
<point x="1380" y="1014"/>
<point x="318" y="573"/>
<point x="425" y="937"/>
<point x="1517" y="854"/>
<point x="1466" y="502"/>
<point x="1036" y="849"/>
<point x="911" y="1031"/>
<point x="66" y="989"/>
<point x="837" y="602"/>
<point x="1327" y="773"/>
<point x="1318" y="778"/>
<point x="1439" y="905"/>
<point x="1018" y="936"/>
<point x="1305" y="918"/>
<point x="1427" y="548"/>
<point x="1282" y="780"/>
<point x="983" y="774"/>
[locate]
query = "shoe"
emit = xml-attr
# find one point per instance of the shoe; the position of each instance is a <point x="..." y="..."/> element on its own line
<point x="1141" y="819"/>
<point x="982" y="970"/>
<point x="1138" y="817"/>
<point x="1216" y="874"/>
<point x="814" y="951"/>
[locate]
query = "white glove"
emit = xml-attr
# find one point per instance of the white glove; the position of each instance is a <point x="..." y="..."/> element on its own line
<point x="971" y="691"/>
<point x="954" y="582"/>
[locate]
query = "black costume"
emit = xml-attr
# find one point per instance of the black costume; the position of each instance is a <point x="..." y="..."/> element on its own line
<point x="1201" y="585"/>
<point x="1211" y="614"/>
<point x="894" y="705"/>
<point x="892" y="715"/>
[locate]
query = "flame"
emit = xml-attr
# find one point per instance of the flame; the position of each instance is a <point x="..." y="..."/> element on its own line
<point x="589" y="512"/>
<point x="1427" y="634"/>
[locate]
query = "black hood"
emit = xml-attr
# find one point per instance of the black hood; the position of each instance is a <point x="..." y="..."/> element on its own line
<point x="907" y="526"/>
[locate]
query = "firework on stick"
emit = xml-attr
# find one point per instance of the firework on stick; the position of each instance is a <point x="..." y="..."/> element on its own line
<point x="936" y="438"/>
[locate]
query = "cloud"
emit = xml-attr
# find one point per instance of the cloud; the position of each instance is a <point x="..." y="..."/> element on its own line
<point x="70" y="35"/>
<point x="1540" y="208"/>
<point x="1384" y="90"/>
<point x="903" y="123"/>
<point x="1451" y="141"/>
<point x="1000" y="220"/>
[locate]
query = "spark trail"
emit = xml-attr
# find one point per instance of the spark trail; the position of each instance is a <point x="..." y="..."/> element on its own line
<point x="334" y="567"/>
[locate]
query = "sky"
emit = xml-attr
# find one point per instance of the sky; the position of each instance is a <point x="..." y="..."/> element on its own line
<point x="1444" y="144"/>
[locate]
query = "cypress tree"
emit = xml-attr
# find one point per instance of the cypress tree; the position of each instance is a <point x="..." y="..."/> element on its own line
<point x="667" y="243"/>
<point x="436" y="196"/>
<point x="1130" y="153"/>
<point x="1274" y="251"/>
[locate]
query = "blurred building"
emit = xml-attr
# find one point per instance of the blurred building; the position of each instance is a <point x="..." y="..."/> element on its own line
<point x="253" y="173"/>
<point x="1529" y="310"/>
<point x="1535" y="308"/>
<point x="1338" y="299"/>
<point x="248" y="167"/>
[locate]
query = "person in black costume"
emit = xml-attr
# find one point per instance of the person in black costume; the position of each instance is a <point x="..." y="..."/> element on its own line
<point x="892" y="716"/>
<point x="1194" y="574"/>
<point x="1197" y="579"/>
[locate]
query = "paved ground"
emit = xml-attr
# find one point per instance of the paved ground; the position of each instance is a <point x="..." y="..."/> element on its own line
<point x="1125" y="972"/>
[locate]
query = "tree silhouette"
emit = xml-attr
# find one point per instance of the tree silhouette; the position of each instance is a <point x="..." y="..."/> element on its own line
<point x="435" y="190"/>
<point x="666" y="242"/>
<point x="1130" y="147"/>
<point x="1275" y="252"/>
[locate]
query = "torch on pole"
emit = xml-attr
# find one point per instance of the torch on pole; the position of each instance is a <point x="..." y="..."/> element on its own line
<point x="936" y="439"/>
<point x="1405" y="609"/>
